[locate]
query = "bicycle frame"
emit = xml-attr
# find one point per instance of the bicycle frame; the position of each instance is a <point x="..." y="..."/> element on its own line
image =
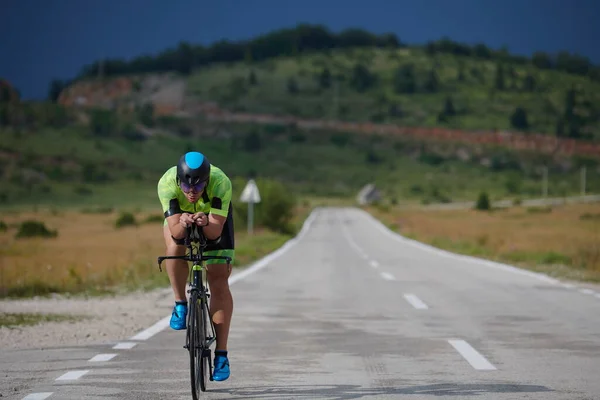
<point x="196" y="242"/>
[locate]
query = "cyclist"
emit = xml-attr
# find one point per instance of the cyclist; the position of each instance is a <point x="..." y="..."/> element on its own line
<point x="194" y="191"/>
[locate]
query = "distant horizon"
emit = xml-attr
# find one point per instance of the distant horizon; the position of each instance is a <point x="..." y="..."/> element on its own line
<point x="55" y="41"/>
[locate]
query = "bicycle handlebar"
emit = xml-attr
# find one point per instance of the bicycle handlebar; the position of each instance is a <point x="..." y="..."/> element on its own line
<point x="194" y="234"/>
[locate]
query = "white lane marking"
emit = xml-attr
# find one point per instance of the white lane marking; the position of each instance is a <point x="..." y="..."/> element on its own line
<point x="256" y="266"/>
<point x="387" y="276"/>
<point x="72" y="375"/>
<point x="153" y="330"/>
<point x="597" y="295"/>
<point x="587" y="291"/>
<point x="124" y="345"/>
<point x="102" y="357"/>
<point x="263" y="262"/>
<point x="38" y="396"/>
<point x="374" y="264"/>
<point x="415" y="302"/>
<point x="476" y="360"/>
<point x="449" y="254"/>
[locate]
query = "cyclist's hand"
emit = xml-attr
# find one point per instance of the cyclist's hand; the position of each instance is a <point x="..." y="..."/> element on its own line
<point x="186" y="220"/>
<point x="201" y="219"/>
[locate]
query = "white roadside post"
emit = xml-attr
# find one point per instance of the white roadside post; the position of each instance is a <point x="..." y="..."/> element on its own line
<point x="250" y="195"/>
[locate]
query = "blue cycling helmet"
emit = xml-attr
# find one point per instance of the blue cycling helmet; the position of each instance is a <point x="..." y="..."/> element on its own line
<point x="193" y="168"/>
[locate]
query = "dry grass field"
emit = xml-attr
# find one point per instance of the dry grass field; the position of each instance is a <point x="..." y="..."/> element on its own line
<point x="562" y="241"/>
<point x="89" y="254"/>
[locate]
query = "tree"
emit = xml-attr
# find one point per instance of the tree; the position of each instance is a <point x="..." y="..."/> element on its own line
<point x="541" y="60"/>
<point x="483" y="202"/>
<point x="252" y="78"/>
<point x="518" y="119"/>
<point x="292" y="86"/>
<point x="325" y="78"/>
<point x="184" y="58"/>
<point x="404" y="79"/>
<point x="362" y="79"/>
<point x="448" y="110"/>
<point x="252" y="141"/>
<point x="432" y="82"/>
<point x="56" y="87"/>
<point x="499" y="81"/>
<point x="529" y="83"/>
<point x="461" y="72"/>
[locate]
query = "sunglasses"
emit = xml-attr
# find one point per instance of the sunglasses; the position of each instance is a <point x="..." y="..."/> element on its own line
<point x="187" y="188"/>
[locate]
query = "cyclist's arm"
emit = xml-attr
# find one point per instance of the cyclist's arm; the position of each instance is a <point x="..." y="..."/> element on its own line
<point x="215" y="226"/>
<point x="173" y="216"/>
<point x="219" y="208"/>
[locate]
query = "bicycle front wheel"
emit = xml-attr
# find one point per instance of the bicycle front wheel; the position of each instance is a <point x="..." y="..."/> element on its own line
<point x="195" y="343"/>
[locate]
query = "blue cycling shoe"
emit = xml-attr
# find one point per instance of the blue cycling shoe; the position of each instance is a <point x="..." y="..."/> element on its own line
<point x="179" y="316"/>
<point x="221" y="370"/>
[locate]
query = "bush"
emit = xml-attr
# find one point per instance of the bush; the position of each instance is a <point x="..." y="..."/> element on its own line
<point x="125" y="219"/>
<point x="483" y="202"/>
<point x="34" y="229"/>
<point x="276" y="208"/>
<point x="3" y="226"/>
<point x="154" y="219"/>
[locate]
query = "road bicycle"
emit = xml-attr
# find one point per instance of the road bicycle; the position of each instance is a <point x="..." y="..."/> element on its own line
<point x="200" y="333"/>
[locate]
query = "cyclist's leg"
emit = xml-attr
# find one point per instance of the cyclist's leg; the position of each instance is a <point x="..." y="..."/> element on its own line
<point x="221" y="301"/>
<point x="178" y="272"/>
<point x="221" y="309"/>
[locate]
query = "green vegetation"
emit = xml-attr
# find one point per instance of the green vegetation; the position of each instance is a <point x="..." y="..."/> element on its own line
<point x="13" y="320"/>
<point x="74" y="168"/>
<point x="483" y="202"/>
<point x="29" y="229"/>
<point x="125" y="219"/>
<point x="407" y="87"/>
<point x="354" y="75"/>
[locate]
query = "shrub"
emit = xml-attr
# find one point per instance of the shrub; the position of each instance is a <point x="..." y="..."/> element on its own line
<point x="125" y="219"/>
<point x="276" y="208"/>
<point x="152" y="219"/>
<point x="483" y="202"/>
<point x="34" y="229"/>
<point x="3" y="226"/>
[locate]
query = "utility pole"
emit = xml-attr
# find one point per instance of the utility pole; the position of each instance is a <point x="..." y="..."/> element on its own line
<point x="583" y="180"/>
<point x="545" y="182"/>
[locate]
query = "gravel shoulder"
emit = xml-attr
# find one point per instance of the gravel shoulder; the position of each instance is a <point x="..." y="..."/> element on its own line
<point x="106" y="318"/>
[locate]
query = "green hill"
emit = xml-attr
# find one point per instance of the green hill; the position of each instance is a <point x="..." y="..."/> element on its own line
<point x="407" y="87"/>
<point x="353" y="75"/>
<point x="138" y="119"/>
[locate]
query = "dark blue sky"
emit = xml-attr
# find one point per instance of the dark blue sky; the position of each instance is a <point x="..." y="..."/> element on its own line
<point x="45" y="39"/>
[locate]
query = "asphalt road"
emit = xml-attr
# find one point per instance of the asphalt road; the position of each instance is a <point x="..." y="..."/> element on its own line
<point x="352" y="311"/>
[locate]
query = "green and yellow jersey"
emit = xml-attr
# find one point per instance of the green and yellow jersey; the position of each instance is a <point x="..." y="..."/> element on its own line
<point x="215" y="199"/>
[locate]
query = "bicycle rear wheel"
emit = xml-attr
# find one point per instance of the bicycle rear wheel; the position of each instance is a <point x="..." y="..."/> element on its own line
<point x="195" y="343"/>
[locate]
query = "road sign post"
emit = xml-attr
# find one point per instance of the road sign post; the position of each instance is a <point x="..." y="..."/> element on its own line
<point x="250" y="195"/>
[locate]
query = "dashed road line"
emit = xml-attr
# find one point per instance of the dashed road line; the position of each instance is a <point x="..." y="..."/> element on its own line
<point x="38" y="396"/>
<point x="124" y="345"/>
<point x="102" y="357"/>
<point x="415" y="302"/>
<point x="474" y="358"/>
<point x="374" y="264"/>
<point x="387" y="276"/>
<point x="72" y="375"/>
<point x="587" y="291"/>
